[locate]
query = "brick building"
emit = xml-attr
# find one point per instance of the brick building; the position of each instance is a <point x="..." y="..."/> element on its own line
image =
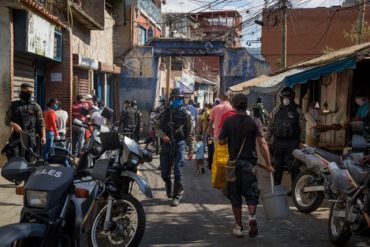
<point x="61" y="54"/>
<point x="310" y="32"/>
<point x="222" y="25"/>
<point x="216" y="25"/>
<point x="137" y="22"/>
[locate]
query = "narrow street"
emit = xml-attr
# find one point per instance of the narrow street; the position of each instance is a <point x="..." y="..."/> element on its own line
<point x="204" y="217"/>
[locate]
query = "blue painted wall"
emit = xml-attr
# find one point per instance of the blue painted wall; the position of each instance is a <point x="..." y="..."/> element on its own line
<point x="239" y="66"/>
<point x="139" y="77"/>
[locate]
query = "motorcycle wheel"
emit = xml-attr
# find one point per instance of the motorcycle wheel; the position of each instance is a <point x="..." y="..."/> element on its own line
<point x="128" y="218"/>
<point x="339" y="232"/>
<point x="306" y="202"/>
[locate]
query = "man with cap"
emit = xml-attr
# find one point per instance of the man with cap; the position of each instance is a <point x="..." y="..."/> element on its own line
<point x="286" y="132"/>
<point x="175" y="130"/>
<point x="25" y="115"/>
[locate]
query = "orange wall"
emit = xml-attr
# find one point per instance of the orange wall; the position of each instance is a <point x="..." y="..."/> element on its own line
<point x="144" y="22"/>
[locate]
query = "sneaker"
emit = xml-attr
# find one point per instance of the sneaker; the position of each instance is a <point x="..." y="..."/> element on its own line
<point x="253" y="230"/>
<point x="175" y="202"/>
<point x="238" y="231"/>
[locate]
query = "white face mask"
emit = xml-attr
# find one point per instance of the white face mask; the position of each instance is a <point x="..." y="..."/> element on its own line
<point x="286" y="101"/>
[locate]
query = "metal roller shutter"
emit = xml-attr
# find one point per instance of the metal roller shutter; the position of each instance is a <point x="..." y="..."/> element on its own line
<point x="82" y="81"/>
<point x="24" y="72"/>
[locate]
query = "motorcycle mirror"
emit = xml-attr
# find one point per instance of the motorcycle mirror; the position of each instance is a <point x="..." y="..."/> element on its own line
<point x="107" y="113"/>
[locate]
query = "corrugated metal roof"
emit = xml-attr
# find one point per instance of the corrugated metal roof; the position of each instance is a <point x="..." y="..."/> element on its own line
<point x="351" y="51"/>
<point x="202" y="80"/>
<point x="264" y="82"/>
<point x="253" y="82"/>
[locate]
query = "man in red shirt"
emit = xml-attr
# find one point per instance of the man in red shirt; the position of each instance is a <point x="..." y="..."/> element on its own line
<point x="50" y="126"/>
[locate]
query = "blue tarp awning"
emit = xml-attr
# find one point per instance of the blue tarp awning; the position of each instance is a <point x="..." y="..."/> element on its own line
<point x="316" y="72"/>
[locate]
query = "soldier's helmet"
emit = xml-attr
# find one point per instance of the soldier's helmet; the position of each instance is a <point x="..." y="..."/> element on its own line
<point x="177" y="93"/>
<point x="287" y="92"/>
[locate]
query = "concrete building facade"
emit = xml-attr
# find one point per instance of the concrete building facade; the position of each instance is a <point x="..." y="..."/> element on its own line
<point x="60" y="52"/>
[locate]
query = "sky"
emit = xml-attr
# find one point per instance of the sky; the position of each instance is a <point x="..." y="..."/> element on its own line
<point x="247" y="8"/>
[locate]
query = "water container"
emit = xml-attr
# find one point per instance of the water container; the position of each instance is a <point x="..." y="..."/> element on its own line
<point x="275" y="203"/>
<point x="340" y="178"/>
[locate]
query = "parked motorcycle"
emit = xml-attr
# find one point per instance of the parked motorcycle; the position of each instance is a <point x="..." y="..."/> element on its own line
<point x="58" y="204"/>
<point x="350" y="181"/>
<point x="311" y="186"/>
<point x="62" y="203"/>
<point x="122" y="221"/>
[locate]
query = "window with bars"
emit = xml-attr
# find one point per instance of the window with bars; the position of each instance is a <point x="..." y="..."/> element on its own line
<point x="58" y="41"/>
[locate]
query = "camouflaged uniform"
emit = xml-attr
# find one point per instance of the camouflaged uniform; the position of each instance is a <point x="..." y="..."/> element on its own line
<point x="29" y="116"/>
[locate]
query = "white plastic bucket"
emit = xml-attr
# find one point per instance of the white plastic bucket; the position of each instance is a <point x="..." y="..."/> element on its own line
<point x="275" y="203"/>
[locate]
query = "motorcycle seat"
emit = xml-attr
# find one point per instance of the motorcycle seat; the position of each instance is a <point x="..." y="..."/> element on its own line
<point x="330" y="157"/>
<point x="359" y="172"/>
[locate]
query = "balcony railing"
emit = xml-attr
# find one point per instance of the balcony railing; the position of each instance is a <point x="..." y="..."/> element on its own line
<point x="153" y="11"/>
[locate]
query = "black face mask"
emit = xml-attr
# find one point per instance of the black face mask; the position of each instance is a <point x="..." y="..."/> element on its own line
<point x="26" y="96"/>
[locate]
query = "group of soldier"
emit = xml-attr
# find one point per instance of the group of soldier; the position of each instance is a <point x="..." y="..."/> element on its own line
<point x="130" y="119"/>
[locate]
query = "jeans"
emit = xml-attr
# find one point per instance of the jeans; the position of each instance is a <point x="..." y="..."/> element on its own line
<point x="78" y="139"/>
<point x="49" y="144"/>
<point x="166" y="161"/>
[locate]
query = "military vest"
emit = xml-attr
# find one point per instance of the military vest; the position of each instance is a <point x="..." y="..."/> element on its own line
<point x="25" y="115"/>
<point x="129" y="120"/>
<point x="286" y="124"/>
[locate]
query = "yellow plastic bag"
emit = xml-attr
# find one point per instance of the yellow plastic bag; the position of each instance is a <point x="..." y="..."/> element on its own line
<point x="220" y="159"/>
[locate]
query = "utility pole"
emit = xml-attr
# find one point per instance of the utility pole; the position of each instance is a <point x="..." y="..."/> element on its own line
<point x="360" y="21"/>
<point x="168" y="78"/>
<point x="169" y="59"/>
<point x="284" y="6"/>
